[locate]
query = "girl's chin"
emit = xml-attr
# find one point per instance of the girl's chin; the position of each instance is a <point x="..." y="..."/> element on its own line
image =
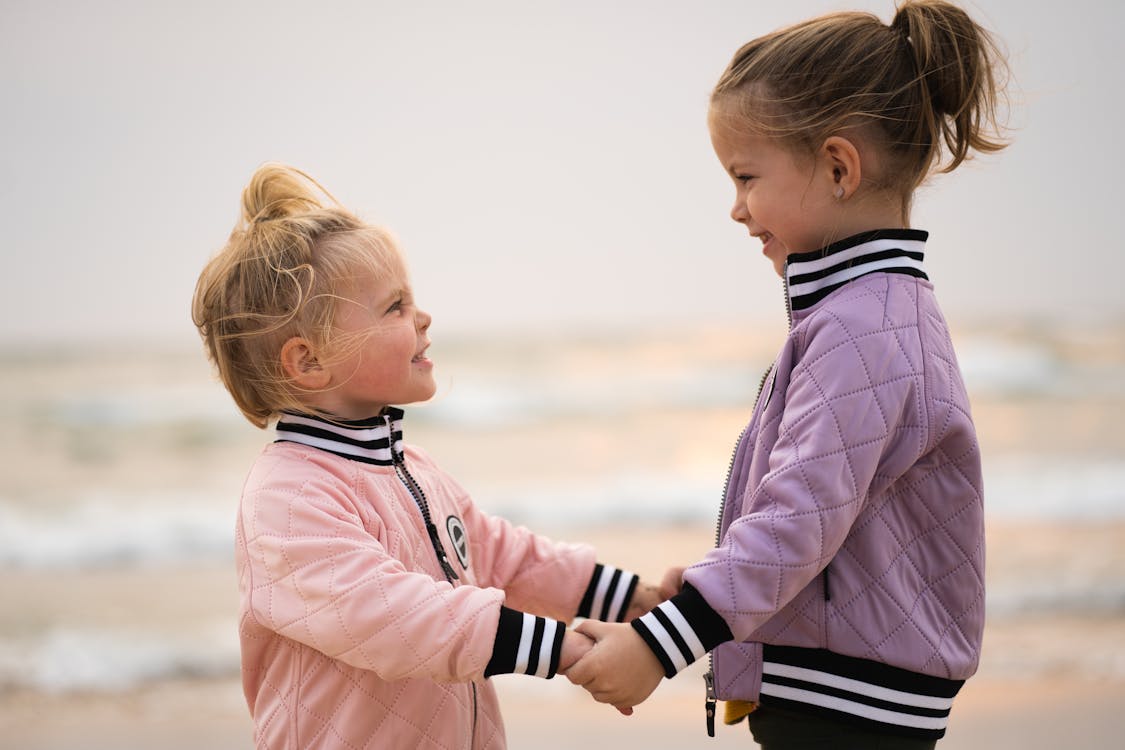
<point x="776" y="255"/>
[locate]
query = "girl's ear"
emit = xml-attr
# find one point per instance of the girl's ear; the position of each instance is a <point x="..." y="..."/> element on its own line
<point x="840" y="158"/>
<point x="300" y="364"/>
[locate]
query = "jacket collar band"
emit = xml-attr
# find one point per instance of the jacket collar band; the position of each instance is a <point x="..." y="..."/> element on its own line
<point x="812" y="276"/>
<point x="377" y="440"/>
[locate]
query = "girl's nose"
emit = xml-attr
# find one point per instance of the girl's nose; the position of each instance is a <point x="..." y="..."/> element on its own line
<point x="422" y="320"/>
<point x="738" y="211"/>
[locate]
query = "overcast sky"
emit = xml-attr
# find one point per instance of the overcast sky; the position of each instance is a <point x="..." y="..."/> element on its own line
<point x="545" y="164"/>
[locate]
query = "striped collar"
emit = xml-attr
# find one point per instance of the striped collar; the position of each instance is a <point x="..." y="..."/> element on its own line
<point x="370" y="441"/>
<point x="810" y="277"/>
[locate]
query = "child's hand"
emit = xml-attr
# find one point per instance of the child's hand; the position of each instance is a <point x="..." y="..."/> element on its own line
<point x="672" y="583"/>
<point x="575" y="645"/>
<point x="645" y="597"/>
<point x="620" y="669"/>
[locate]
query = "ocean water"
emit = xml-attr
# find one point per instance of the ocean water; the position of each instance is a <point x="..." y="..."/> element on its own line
<point x="123" y="463"/>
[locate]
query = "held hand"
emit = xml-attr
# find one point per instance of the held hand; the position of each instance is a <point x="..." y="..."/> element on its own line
<point x="645" y="597"/>
<point x="672" y="583"/>
<point x="575" y="645"/>
<point x="620" y="669"/>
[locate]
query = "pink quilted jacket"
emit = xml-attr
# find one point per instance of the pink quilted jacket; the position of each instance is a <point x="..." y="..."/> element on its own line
<point x="849" y="576"/>
<point x="376" y="597"/>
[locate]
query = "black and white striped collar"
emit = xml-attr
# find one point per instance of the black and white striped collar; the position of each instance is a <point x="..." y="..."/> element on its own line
<point x="370" y="441"/>
<point x="812" y="276"/>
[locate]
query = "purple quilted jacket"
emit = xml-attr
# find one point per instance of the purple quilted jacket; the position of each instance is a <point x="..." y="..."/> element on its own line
<point x="849" y="574"/>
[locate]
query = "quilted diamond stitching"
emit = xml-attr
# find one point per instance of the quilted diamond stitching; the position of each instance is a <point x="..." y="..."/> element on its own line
<point x="908" y="342"/>
<point x="289" y="703"/>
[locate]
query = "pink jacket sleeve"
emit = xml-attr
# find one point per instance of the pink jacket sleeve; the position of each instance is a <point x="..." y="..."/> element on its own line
<point x="540" y="576"/>
<point x="537" y="574"/>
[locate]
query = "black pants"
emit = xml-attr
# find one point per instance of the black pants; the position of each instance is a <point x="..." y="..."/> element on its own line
<point x="778" y="729"/>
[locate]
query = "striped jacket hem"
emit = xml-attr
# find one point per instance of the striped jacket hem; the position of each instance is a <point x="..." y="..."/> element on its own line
<point x="876" y="695"/>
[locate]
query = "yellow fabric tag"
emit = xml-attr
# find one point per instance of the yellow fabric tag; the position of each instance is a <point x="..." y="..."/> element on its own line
<point x="736" y="711"/>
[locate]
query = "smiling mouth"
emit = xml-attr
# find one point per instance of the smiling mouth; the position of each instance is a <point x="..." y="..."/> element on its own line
<point x="765" y="237"/>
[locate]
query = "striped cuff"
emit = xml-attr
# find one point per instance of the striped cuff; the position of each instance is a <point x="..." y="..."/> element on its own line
<point x="608" y="596"/>
<point x="526" y="644"/>
<point x="682" y="629"/>
<point x="872" y="694"/>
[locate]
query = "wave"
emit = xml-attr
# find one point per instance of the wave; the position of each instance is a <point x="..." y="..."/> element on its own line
<point x="998" y="366"/>
<point x="147" y="405"/>
<point x="1058" y="489"/>
<point x="100" y="532"/>
<point x="65" y="660"/>
<point x="106" y="531"/>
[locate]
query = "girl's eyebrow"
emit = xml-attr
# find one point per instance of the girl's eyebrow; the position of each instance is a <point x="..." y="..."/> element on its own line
<point x="743" y="163"/>
<point x="405" y="292"/>
<point x="385" y="300"/>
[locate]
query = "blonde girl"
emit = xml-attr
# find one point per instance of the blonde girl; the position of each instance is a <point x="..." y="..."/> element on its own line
<point x="844" y="602"/>
<point x="376" y="599"/>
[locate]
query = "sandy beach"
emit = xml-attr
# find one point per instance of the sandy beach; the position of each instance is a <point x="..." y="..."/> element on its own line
<point x="992" y="714"/>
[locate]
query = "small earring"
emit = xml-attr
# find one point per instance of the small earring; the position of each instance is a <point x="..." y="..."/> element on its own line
<point x="839" y="193"/>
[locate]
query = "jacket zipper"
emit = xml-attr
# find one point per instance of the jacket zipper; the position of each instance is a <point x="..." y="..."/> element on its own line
<point x="415" y="491"/>
<point x="473" y="735"/>
<point x="711" y="700"/>
<point x="419" y="496"/>
<point x="788" y="302"/>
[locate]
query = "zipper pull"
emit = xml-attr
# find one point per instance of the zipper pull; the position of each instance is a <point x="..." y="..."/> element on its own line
<point x="709" y="704"/>
<point x="446" y="566"/>
<point x="448" y="569"/>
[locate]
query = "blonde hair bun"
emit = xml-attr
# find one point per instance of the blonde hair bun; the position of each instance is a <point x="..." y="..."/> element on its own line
<point x="289" y="264"/>
<point x="278" y="191"/>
